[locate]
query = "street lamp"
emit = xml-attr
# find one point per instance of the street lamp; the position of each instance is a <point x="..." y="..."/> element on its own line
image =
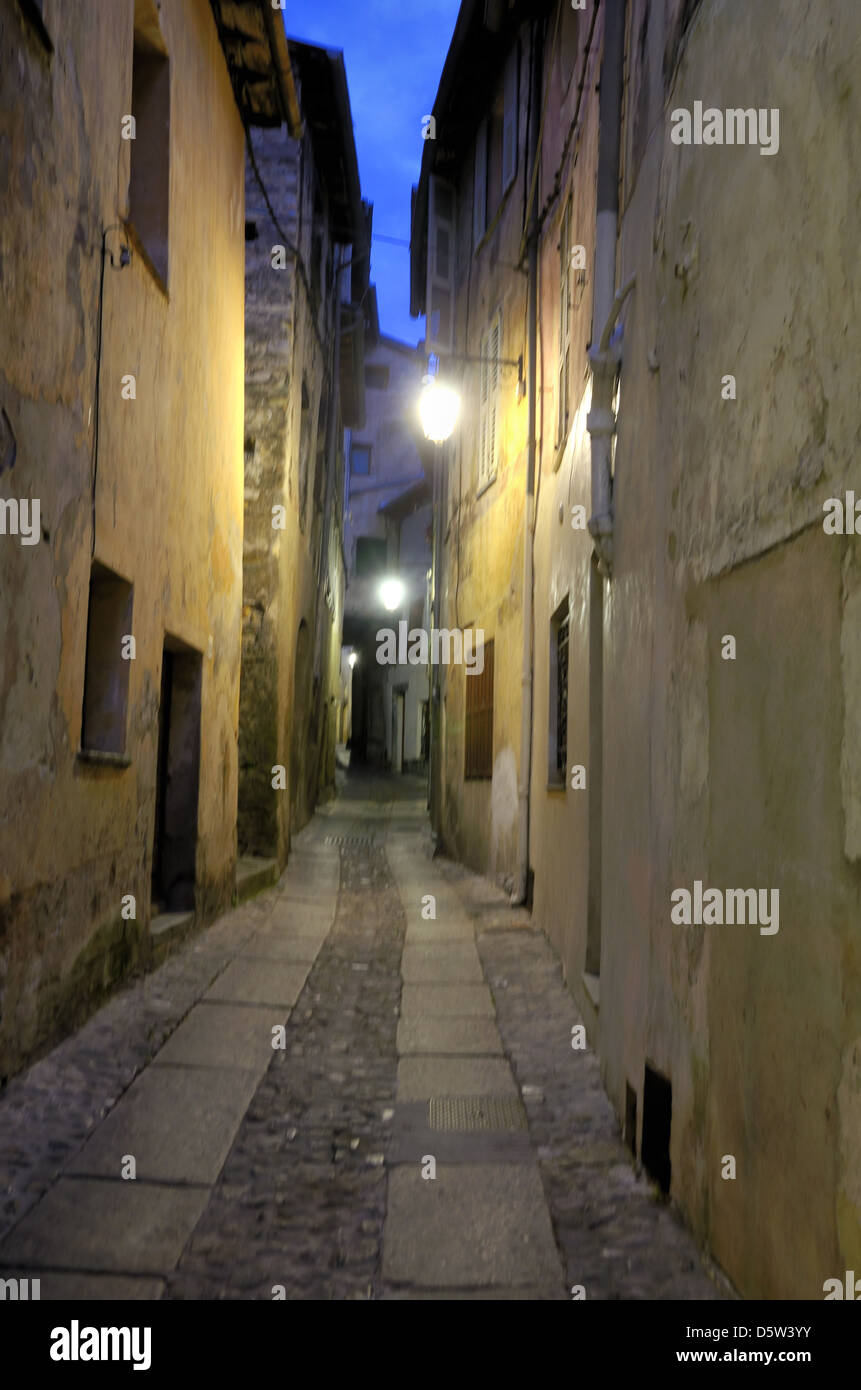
<point x="439" y="406"/>
<point x="392" y="594"/>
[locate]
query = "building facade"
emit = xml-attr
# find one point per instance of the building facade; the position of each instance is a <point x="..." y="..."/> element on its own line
<point x="307" y="268"/>
<point x="121" y="401"/>
<point x="695" y="629"/>
<point x="388" y="535"/>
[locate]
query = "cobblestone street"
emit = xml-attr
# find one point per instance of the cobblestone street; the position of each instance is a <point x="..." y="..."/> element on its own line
<point x="426" y="1129"/>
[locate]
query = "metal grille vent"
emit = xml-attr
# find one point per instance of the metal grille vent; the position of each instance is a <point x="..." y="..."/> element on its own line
<point x="476" y="1112"/>
<point x="348" y="841"/>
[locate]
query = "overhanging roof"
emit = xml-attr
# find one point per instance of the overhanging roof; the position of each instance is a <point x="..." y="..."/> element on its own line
<point x="326" y="110"/>
<point x="416" y="494"/>
<point x="252" y="38"/>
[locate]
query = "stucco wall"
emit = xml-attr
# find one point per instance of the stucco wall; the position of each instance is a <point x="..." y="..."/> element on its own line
<point x="75" y="838"/>
<point x="740" y="772"/>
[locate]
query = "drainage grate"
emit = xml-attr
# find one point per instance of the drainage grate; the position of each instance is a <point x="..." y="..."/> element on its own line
<point x="476" y="1112"/>
<point x="349" y="840"/>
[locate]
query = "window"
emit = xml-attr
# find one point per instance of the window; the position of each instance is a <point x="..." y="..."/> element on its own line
<point x="149" y="184"/>
<point x="568" y="47"/>
<point x="377" y="378"/>
<point x="304" y="452"/>
<point x="106" y="675"/>
<point x="557" y="743"/>
<point x="371" y="557"/>
<point x="360" y="458"/>
<point x="479" y="189"/>
<point x="496" y="151"/>
<point x="478" y="761"/>
<point x="439" y="338"/>
<point x="34" y="11"/>
<point x="509" y="120"/>
<point x="488" y="401"/>
<point x="564" y="382"/>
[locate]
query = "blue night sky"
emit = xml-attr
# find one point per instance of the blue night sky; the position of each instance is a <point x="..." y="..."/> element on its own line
<point x="394" y="52"/>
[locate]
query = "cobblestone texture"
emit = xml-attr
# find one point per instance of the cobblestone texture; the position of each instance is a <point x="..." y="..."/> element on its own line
<point x="302" y="1197"/>
<point x="618" y="1237"/>
<point x="301" y="1200"/>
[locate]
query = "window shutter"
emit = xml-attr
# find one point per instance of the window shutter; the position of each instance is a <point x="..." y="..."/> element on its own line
<point x="509" y="121"/>
<point x="440" y="281"/>
<point x="491" y="347"/>
<point x="479" y="198"/>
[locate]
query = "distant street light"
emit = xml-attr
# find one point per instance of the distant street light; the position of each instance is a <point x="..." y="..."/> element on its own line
<point x="439" y="406"/>
<point x="352" y="659"/>
<point x="392" y="594"/>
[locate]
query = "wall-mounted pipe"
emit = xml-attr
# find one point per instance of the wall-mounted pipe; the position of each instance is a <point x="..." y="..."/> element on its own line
<point x="604" y="357"/>
<point x="521" y="887"/>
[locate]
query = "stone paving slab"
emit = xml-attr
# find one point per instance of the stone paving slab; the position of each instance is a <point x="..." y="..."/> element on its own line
<point x="276" y="944"/>
<point x="177" y="1122"/>
<point x="449" y="1231"/>
<point x="85" y="1288"/>
<point x="48" y="1111"/>
<point x="446" y="1001"/>
<point x="421" y="1077"/>
<point x="448" y="1035"/>
<point x="461" y="1295"/>
<point x="426" y="933"/>
<point x="442" y="963"/>
<point x="97" y="1224"/>
<point x="257" y="980"/>
<point x="224" y="1035"/>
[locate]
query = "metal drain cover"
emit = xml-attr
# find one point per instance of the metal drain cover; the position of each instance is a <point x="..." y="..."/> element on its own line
<point x="476" y="1112"/>
<point x="348" y="841"/>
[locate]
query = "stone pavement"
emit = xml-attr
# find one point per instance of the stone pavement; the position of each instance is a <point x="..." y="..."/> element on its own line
<point x="426" y="1130"/>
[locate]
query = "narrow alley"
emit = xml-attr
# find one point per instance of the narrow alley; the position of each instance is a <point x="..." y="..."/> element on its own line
<point x="423" y="1019"/>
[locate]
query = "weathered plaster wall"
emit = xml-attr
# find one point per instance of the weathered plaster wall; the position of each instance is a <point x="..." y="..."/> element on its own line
<point x="482" y="576"/>
<point x="75" y="838"/>
<point x="737" y="773"/>
<point x="559" y="818"/>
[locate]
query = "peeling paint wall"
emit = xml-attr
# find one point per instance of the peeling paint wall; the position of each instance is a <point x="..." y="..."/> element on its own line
<point x="76" y="836"/>
<point x="739" y="773"/>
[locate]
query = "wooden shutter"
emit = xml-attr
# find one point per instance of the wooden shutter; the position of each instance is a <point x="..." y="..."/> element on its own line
<point x="479" y="192"/>
<point x="478" y="727"/>
<point x="509" y="120"/>
<point x="440" y="281"/>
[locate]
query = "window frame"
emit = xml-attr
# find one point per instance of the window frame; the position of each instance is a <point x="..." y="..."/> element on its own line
<point x="488" y="403"/>
<point x="360" y="444"/>
<point x="557" y="727"/>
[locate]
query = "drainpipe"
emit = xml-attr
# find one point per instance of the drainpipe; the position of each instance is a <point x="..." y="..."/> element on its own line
<point x="604" y="355"/>
<point x="522" y="884"/>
